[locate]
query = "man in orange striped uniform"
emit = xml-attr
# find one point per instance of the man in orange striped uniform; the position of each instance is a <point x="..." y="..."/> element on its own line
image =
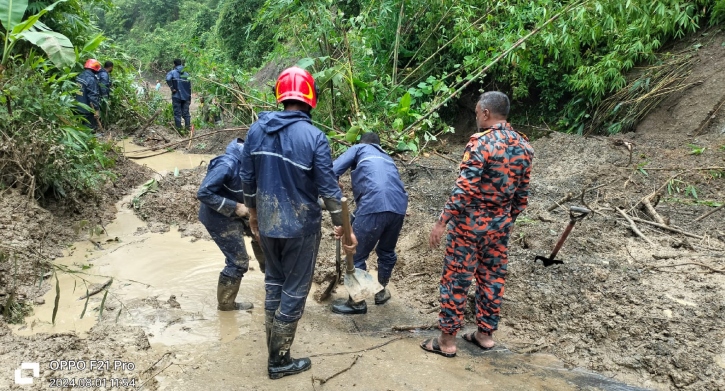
<point x="491" y="191"/>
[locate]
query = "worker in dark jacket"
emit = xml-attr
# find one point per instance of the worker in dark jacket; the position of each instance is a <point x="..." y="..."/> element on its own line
<point x="381" y="205"/>
<point x="178" y="81"/>
<point x="226" y="218"/>
<point x="89" y="93"/>
<point x="104" y="79"/>
<point x="286" y="166"/>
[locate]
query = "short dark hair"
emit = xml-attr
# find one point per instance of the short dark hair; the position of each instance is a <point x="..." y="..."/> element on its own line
<point x="177" y="62"/>
<point x="288" y="102"/>
<point x="370" y="138"/>
<point x="496" y="102"/>
<point x="108" y="64"/>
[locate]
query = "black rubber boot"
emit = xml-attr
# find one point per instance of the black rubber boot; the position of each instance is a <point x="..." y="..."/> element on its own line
<point x="280" y="363"/>
<point x="268" y="321"/>
<point x="226" y="292"/>
<point x="384" y="295"/>
<point x="349" y="307"/>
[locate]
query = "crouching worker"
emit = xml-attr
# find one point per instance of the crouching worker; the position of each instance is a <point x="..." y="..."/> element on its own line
<point x="226" y="218"/>
<point x="381" y="205"/>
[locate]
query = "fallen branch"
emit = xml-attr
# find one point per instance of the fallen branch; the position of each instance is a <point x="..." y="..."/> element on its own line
<point x="652" y="212"/>
<point x="710" y="212"/>
<point x="156" y="148"/>
<point x="357" y="351"/>
<point x="98" y="289"/>
<point x="634" y="228"/>
<point x="570" y="196"/>
<point x="150" y="120"/>
<point x="325" y="380"/>
<point x="445" y="157"/>
<point x="667" y="227"/>
<point x="690" y="263"/>
<point x="416" y="327"/>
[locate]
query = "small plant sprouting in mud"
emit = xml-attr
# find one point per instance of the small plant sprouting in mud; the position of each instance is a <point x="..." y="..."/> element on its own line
<point x="696" y="150"/>
<point x="641" y="166"/>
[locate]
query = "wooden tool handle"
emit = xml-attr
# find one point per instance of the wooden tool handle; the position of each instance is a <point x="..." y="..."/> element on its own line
<point x="347" y="231"/>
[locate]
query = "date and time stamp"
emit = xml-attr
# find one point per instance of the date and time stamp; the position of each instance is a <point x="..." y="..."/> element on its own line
<point x="81" y="374"/>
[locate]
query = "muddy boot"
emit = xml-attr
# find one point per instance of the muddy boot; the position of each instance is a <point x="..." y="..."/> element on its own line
<point x="280" y="363"/>
<point x="226" y="292"/>
<point x="384" y="295"/>
<point x="349" y="307"/>
<point x="268" y="321"/>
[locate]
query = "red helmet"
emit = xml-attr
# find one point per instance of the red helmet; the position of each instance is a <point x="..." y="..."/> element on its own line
<point x="296" y="84"/>
<point x="93" y="65"/>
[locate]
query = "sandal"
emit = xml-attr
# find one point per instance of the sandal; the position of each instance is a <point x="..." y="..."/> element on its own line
<point x="471" y="337"/>
<point x="436" y="348"/>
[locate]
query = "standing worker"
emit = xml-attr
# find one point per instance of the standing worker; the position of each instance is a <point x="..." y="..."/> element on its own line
<point x="178" y="81"/>
<point x="104" y="80"/>
<point x="226" y="218"/>
<point x="104" y="84"/>
<point x="89" y="93"/>
<point x="286" y="166"/>
<point x="381" y="205"/>
<point x="491" y="191"/>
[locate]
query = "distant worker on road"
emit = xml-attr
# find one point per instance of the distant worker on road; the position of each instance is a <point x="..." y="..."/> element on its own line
<point x="286" y="166"/>
<point x="226" y="219"/>
<point x="104" y="79"/>
<point x="381" y="205"/>
<point x="491" y="191"/>
<point x="178" y="81"/>
<point x="89" y="94"/>
<point x="104" y="84"/>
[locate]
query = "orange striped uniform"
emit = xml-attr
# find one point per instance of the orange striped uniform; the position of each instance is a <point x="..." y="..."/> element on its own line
<point x="491" y="191"/>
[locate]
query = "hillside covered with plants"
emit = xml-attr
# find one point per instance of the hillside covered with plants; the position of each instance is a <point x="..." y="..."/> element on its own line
<point x="402" y="67"/>
<point x="45" y="147"/>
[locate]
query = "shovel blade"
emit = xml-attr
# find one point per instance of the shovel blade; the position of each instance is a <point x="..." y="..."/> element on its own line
<point x="361" y="285"/>
<point x="547" y="261"/>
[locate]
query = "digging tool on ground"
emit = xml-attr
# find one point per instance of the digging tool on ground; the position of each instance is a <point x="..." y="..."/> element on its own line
<point x="359" y="283"/>
<point x="333" y="278"/>
<point x="576" y="213"/>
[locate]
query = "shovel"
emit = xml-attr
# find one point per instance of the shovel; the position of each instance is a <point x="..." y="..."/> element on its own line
<point x="576" y="213"/>
<point x="359" y="283"/>
<point x="335" y="277"/>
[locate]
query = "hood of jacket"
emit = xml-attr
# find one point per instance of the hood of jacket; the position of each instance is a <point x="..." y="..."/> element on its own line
<point x="179" y="68"/>
<point x="235" y="148"/>
<point x="274" y="121"/>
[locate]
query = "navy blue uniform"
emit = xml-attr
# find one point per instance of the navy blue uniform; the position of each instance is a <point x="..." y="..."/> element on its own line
<point x="89" y="95"/>
<point x="178" y="81"/>
<point x="104" y="83"/>
<point x="219" y="194"/>
<point x="286" y="166"/>
<point x="381" y="202"/>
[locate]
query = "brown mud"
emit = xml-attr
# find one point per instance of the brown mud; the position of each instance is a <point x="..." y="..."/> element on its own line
<point x="652" y="316"/>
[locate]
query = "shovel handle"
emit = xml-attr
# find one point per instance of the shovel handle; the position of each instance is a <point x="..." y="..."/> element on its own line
<point x="347" y="231"/>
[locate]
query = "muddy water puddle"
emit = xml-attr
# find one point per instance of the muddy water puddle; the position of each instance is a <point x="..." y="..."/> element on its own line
<point x="166" y="284"/>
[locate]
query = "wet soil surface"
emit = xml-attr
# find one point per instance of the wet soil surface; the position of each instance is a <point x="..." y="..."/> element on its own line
<point x="648" y="315"/>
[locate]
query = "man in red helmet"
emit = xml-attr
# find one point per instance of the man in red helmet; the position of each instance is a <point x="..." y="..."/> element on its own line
<point x="286" y="166"/>
<point x="89" y="93"/>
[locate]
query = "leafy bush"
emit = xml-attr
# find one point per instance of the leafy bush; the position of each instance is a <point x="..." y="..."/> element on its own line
<point x="42" y="146"/>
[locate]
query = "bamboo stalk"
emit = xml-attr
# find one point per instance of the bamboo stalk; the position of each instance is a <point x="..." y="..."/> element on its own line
<point x="634" y="228"/>
<point x="484" y="69"/>
<point x="397" y="42"/>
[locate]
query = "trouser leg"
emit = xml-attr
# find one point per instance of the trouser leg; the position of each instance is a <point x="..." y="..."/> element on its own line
<point x="185" y="113"/>
<point x="228" y="235"/>
<point x="91" y="119"/>
<point x="386" y="245"/>
<point x="176" y="105"/>
<point x="490" y="280"/>
<point x="459" y="266"/>
<point x="288" y="275"/>
<point x="367" y="229"/>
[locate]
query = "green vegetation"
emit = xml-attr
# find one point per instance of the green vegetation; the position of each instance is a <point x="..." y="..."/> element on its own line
<point x="45" y="147"/>
<point x="385" y="65"/>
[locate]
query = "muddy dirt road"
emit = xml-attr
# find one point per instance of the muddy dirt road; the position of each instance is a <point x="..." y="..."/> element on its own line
<point x="160" y="315"/>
